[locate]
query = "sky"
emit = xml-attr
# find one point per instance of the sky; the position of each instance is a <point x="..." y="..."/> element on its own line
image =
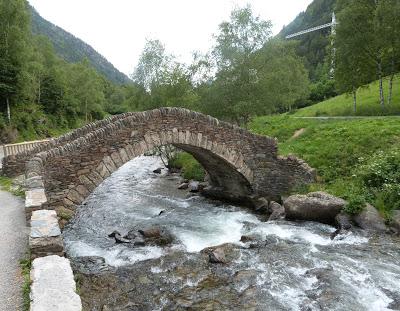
<point x="118" y="29"/>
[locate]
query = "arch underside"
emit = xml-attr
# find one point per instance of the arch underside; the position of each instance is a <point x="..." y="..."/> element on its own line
<point x="226" y="182"/>
<point x="230" y="177"/>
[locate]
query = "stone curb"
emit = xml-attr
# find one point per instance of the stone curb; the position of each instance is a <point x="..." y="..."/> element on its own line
<point x="53" y="286"/>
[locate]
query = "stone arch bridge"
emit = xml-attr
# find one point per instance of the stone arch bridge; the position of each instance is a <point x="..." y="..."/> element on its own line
<point x="241" y="165"/>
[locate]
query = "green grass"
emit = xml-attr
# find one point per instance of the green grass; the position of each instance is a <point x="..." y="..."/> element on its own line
<point x="336" y="148"/>
<point x="191" y="169"/>
<point x="25" y="265"/>
<point x="7" y="185"/>
<point x="367" y="102"/>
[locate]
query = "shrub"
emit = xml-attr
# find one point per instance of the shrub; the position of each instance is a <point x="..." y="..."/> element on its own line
<point x="191" y="169"/>
<point x="381" y="175"/>
<point x="355" y="205"/>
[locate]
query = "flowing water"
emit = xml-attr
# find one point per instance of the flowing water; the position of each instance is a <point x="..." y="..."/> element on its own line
<point x="288" y="266"/>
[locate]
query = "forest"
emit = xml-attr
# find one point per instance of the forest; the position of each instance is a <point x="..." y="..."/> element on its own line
<point x="247" y="72"/>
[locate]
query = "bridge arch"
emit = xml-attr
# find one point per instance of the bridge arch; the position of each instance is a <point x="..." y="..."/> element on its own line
<point x="240" y="164"/>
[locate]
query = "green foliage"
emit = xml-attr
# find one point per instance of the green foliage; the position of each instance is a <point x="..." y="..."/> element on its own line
<point x="346" y="154"/>
<point x="191" y="169"/>
<point x="368" y="44"/>
<point x="381" y="174"/>
<point x="355" y="205"/>
<point x="342" y="105"/>
<point x="8" y="185"/>
<point x="26" y="265"/>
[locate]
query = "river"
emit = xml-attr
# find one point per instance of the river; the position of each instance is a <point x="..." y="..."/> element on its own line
<point x="286" y="266"/>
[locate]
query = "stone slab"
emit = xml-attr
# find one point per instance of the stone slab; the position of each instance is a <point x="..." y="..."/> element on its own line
<point x="35" y="198"/>
<point x="53" y="286"/>
<point x="44" y="224"/>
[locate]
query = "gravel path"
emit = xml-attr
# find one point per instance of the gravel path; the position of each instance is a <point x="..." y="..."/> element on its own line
<point x="13" y="245"/>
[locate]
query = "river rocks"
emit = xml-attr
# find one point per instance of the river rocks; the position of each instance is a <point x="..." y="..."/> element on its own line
<point x="223" y="253"/>
<point x="217" y="256"/>
<point x="343" y="224"/>
<point x="142" y="237"/>
<point x="118" y="237"/>
<point x="315" y="206"/>
<point x="277" y="211"/>
<point x="157" y="170"/>
<point x="90" y="264"/>
<point x="343" y="221"/>
<point x="261" y="205"/>
<point x="370" y="220"/>
<point x="183" y="186"/>
<point x="156" y="236"/>
<point x="395" y="223"/>
<point x="194" y="186"/>
<point x="246" y="238"/>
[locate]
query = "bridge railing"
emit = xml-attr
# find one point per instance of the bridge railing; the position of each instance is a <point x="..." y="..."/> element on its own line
<point x="13" y="149"/>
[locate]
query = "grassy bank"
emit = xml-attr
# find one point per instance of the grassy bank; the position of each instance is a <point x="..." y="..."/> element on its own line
<point x="191" y="169"/>
<point x="356" y="159"/>
<point x="7" y="185"/>
<point x="367" y="103"/>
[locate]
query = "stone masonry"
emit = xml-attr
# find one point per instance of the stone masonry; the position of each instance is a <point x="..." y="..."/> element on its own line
<point x="240" y="164"/>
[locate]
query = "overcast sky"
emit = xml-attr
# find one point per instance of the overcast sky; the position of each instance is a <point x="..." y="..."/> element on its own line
<point x="117" y="29"/>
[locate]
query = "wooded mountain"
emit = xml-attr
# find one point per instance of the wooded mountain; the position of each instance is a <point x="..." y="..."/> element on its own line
<point x="73" y="49"/>
<point x="313" y="46"/>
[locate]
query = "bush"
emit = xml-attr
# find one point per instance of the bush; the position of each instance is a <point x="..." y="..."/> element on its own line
<point x="381" y="175"/>
<point x="355" y="205"/>
<point x="191" y="169"/>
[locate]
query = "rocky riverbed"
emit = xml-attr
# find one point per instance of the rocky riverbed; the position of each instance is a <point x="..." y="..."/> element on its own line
<point x="217" y="256"/>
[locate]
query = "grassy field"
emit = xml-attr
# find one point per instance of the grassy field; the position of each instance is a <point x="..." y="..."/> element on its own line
<point x="353" y="157"/>
<point x="367" y="102"/>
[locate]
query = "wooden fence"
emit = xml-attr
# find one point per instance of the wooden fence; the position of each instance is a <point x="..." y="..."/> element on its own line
<point x="12" y="149"/>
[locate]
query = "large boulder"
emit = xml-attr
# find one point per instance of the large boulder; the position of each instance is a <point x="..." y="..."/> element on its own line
<point x="370" y="220"/>
<point x="156" y="236"/>
<point x="277" y="211"/>
<point x="343" y="223"/>
<point x="315" y="206"/>
<point x="395" y="223"/>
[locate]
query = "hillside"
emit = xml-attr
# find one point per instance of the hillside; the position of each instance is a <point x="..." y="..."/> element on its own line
<point x="312" y="46"/>
<point x="73" y="49"/>
<point x="367" y="104"/>
<point x="350" y="161"/>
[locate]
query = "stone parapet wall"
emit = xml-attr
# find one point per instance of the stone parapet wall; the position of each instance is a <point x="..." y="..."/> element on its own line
<point x="14" y="163"/>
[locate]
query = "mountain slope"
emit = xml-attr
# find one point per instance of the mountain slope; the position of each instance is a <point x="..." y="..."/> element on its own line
<point x="313" y="46"/>
<point x="73" y="49"/>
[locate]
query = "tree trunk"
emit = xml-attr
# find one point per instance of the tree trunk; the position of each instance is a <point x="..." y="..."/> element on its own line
<point x="86" y="112"/>
<point x="391" y="83"/>
<point x="39" y="92"/>
<point x="390" y="89"/>
<point x="8" y="111"/>
<point x="355" y="100"/>
<point x="381" y="95"/>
